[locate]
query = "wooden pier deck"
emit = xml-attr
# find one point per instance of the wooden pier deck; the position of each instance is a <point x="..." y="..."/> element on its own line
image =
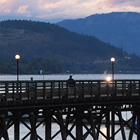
<point x="54" y="101"/>
<point x="59" y="92"/>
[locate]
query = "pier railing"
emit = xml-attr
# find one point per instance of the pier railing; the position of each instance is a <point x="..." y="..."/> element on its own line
<point x="77" y="110"/>
<point x="97" y="90"/>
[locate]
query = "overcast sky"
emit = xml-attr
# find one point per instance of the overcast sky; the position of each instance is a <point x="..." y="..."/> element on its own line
<point x="65" y="9"/>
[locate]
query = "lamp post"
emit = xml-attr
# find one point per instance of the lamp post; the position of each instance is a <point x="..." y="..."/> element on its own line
<point x="112" y="113"/>
<point x="17" y="57"/>
<point x="112" y="60"/>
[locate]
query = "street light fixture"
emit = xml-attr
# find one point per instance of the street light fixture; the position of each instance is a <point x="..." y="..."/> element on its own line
<point x="108" y="78"/>
<point x="112" y="114"/>
<point x="17" y="57"/>
<point x="113" y="60"/>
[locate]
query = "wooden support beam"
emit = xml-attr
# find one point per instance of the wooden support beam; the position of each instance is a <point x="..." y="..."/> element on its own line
<point x="62" y="125"/>
<point x="70" y="120"/>
<point x="3" y="127"/>
<point x="137" y="127"/>
<point x="132" y="125"/>
<point x="113" y="124"/>
<point x="16" y="122"/>
<point x="47" y="114"/>
<point x="121" y="125"/>
<point x="16" y="129"/>
<point x="79" y="130"/>
<point x="94" y="134"/>
<point x="108" y="124"/>
<point x="33" y="126"/>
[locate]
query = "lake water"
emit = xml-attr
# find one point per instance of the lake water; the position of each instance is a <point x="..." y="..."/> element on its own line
<point x="75" y="76"/>
<point x="41" y="130"/>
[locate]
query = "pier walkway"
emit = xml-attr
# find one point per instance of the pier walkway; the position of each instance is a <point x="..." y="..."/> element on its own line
<point x="87" y="101"/>
<point x="59" y="91"/>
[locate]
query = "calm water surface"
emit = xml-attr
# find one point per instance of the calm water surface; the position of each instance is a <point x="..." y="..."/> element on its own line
<point x="75" y="76"/>
<point x="55" y="127"/>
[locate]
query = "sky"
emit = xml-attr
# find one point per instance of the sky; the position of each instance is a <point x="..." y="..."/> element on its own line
<point x="55" y="10"/>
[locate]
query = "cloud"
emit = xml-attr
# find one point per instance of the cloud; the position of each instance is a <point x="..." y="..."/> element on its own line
<point x="65" y="8"/>
<point x="124" y="5"/>
<point x="81" y="8"/>
<point x="6" y="10"/>
<point x="133" y="3"/>
<point x="4" y="5"/>
<point x="22" y="9"/>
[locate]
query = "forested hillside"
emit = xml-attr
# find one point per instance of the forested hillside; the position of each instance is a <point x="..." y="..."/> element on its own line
<point x="121" y="29"/>
<point x="69" y="51"/>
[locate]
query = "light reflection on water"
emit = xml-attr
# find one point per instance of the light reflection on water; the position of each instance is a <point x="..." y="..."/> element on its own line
<point x="41" y="130"/>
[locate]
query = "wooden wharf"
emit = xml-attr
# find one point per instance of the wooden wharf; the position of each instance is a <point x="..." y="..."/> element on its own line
<point x="53" y="101"/>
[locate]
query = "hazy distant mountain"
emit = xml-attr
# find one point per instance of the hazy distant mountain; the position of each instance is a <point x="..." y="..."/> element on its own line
<point x="50" y="20"/>
<point x="121" y="29"/>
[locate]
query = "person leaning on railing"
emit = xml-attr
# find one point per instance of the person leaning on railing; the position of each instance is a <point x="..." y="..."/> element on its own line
<point x="71" y="84"/>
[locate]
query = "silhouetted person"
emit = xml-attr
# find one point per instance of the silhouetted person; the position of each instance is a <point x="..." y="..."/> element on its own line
<point x="71" y="84"/>
<point x="32" y="85"/>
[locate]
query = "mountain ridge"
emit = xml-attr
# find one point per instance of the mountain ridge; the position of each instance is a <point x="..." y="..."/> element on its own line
<point x="121" y="29"/>
<point x="76" y="53"/>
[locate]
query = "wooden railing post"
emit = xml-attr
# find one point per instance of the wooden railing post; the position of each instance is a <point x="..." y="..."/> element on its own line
<point x="99" y="90"/>
<point x="44" y="89"/>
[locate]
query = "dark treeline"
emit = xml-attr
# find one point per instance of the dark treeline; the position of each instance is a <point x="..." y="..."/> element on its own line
<point x="32" y="66"/>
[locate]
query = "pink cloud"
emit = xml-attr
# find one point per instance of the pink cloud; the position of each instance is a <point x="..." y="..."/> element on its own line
<point x="66" y="9"/>
<point x="23" y="9"/>
<point x="4" y="4"/>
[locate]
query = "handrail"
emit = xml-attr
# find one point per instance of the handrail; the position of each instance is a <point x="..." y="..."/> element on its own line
<point x="59" y="89"/>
